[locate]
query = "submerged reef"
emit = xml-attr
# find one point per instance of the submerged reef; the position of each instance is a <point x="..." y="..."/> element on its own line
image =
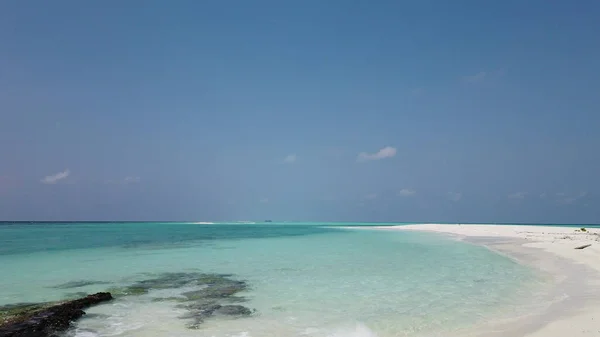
<point x="77" y="284"/>
<point x="44" y="319"/>
<point x="204" y="296"/>
<point x="213" y="297"/>
<point x="200" y="311"/>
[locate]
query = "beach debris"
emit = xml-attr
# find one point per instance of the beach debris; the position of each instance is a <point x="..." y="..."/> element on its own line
<point x="584" y="246"/>
<point x="45" y="319"/>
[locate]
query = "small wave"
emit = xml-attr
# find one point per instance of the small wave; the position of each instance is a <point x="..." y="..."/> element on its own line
<point x="82" y="333"/>
<point x="357" y="227"/>
<point x="359" y="330"/>
<point x="242" y="334"/>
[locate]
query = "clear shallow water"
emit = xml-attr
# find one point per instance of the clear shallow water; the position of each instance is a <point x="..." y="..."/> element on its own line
<point x="304" y="280"/>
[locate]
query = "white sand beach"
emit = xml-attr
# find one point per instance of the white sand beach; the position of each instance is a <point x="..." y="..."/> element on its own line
<point x="551" y="250"/>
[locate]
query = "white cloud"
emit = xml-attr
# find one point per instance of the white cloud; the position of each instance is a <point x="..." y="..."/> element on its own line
<point x="406" y="192"/>
<point x="386" y="152"/>
<point x="371" y="196"/>
<point x="517" y="195"/>
<point x="264" y="200"/>
<point x="126" y="180"/>
<point x="479" y="77"/>
<point x="485" y="76"/>
<point x="570" y="199"/>
<point x="564" y="198"/>
<point x="53" y="179"/>
<point x="290" y="159"/>
<point x="454" y="196"/>
<point x="131" y="180"/>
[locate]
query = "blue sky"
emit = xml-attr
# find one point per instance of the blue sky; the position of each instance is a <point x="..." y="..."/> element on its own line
<point x="470" y="111"/>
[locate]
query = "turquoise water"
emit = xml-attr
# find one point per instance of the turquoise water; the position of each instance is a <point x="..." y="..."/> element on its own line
<point x="303" y="279"/>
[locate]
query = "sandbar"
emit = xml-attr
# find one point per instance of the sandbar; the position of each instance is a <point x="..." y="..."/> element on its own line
<point x="552" y="250"/>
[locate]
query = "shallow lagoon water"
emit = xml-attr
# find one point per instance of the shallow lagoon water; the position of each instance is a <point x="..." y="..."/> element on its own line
<point x="303" y="280"/>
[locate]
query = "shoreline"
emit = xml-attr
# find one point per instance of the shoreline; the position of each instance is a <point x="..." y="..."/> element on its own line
<point x="574" y="303"/>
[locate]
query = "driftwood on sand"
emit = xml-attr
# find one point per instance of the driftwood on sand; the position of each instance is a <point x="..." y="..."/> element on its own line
<point x="584" y="246"/>
<point x="50" y="320"/>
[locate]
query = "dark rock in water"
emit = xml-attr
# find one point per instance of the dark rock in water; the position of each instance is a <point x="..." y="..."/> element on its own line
<point x="167" y="281"/>
<point x="96" y="316"/>
<point x="214" y="294"/>
<point x="233" y="310"/>
<point x="223" y="290"/>
<point x="214" y="298"/>
<point x="235" y="299"/>
<point x="209" y="279"/>
<point x="168" y="299"/>
<point x="77" y="284"/>
<point x="194" y="325"/>
<point x="10" y="312"/>
<point x="200" y="312"/>
<point x="127" y="291"/>
<point x="171" y="281"/>
<point x="197" y="305"/>
<point x="74" y="296"/>
<point x="48" y="320"/>
<point x="224" y="286"/>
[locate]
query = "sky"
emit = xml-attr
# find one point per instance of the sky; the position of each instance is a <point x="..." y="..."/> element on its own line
<point x="231" y="110"/>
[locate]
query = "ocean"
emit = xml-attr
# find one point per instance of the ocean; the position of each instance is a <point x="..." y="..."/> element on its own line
<point x="262" y="280"/>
